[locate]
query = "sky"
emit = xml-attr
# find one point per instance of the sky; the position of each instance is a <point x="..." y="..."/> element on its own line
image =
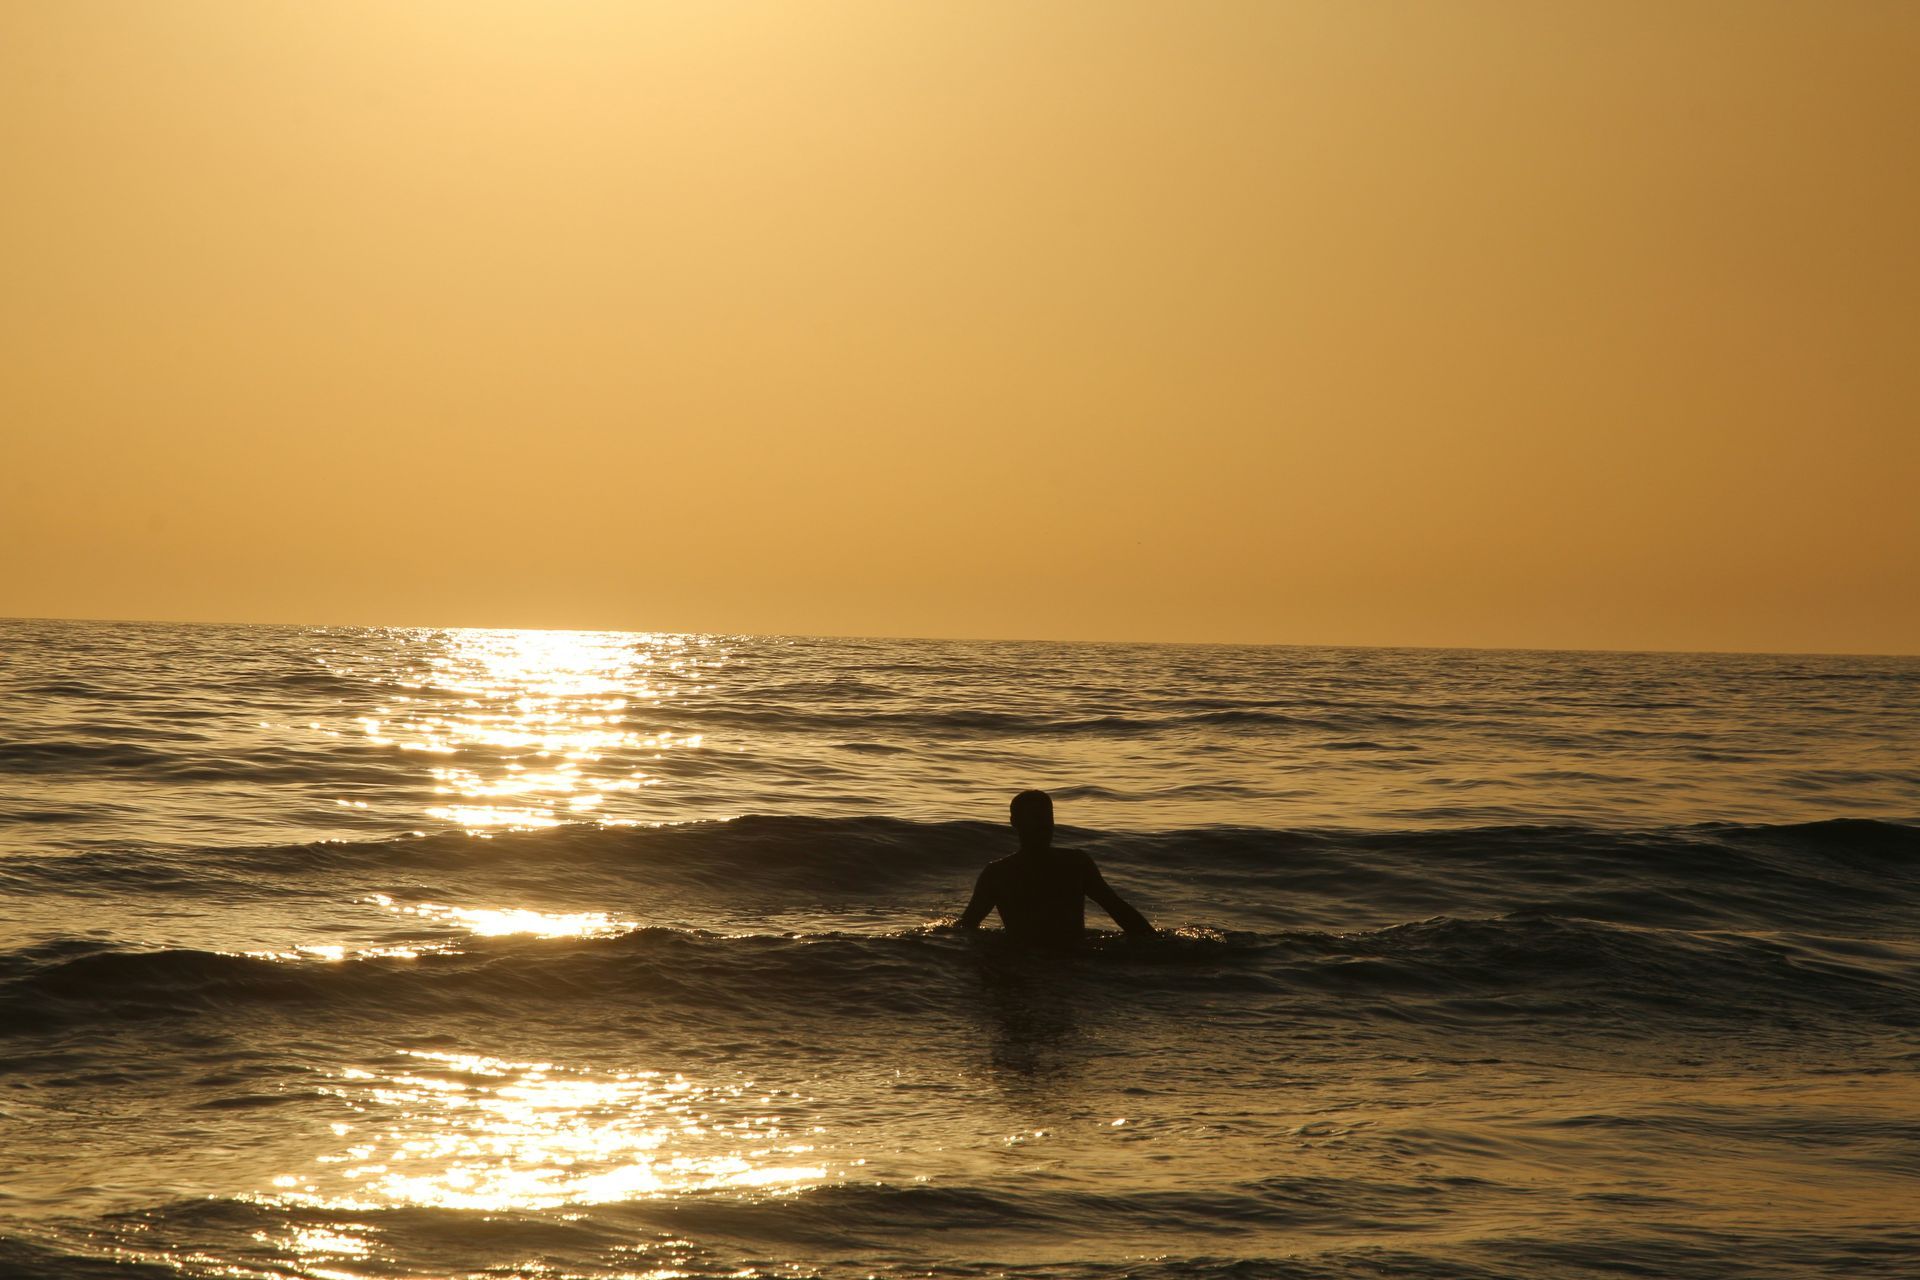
<point x="1582" y="325"/>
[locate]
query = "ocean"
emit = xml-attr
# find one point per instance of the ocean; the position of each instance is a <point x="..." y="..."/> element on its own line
<point x="345" y="952"/>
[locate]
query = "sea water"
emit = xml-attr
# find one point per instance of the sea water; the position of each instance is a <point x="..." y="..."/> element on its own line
<point x="365" y="952"/>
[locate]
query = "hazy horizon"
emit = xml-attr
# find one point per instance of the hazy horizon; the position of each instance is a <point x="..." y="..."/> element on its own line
<point x="958" y="639"/>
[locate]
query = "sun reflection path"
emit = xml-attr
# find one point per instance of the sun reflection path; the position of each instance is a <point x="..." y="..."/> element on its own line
<point x="313" y="1244"/>
<point x="529" y="729"/>
<point x="464" y="1131"/>
<point x="499" y="922"/>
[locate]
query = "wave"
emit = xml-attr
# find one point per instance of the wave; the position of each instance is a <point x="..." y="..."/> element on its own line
<point x="191" y="760"/>
<point x="31" y="1260"/>
<point x="1531" y="966"/>
<point x="1560" y="926"/>
<point x="1173" y="716"/>
<point x="1280" y="1227"/>
<point x="1840" y="877"/>
<point x="772" y="850"/>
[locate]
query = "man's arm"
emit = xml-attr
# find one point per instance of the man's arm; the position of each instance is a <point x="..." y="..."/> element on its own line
<point x="981" y="904"/>
<point x="1123" y="915"/>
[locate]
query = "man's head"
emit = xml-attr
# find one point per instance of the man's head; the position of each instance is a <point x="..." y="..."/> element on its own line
<point x="1033" y="818"/>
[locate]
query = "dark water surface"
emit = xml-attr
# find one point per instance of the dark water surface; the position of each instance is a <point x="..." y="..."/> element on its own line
<point x="360" y="953"/>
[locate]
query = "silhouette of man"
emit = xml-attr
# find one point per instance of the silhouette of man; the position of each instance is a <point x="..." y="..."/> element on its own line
<point x="1041" y="891"/>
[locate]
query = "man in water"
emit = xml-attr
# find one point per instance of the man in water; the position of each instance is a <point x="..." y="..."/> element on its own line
<point x="1041" y="891"/>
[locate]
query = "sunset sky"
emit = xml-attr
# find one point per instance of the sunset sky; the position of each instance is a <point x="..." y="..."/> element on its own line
<point x="1588" y="324"/>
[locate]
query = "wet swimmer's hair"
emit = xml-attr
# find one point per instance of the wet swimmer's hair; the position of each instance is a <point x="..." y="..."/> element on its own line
<point x="1032" y="812"/>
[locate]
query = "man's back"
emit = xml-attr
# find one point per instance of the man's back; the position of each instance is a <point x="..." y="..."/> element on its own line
<point x="1041" y="891"/>
<point x="1041" y="896"/>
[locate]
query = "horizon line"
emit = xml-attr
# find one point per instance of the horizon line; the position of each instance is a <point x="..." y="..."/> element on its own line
<point x="805" y="635"/>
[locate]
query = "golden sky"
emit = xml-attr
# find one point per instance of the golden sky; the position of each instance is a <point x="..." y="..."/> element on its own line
<point x="1587" y="324"/>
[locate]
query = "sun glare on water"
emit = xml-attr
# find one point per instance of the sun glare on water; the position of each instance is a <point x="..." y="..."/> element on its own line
<point x="531" y="729"/>
<point x="462" y="1131"/>
<point x="499" y="922"/>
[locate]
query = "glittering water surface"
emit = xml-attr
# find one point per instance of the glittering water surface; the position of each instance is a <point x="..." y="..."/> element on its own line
<point x="374" y="952"/>
<point x="150" y="733"/>
<point x="465" y="1132"/>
